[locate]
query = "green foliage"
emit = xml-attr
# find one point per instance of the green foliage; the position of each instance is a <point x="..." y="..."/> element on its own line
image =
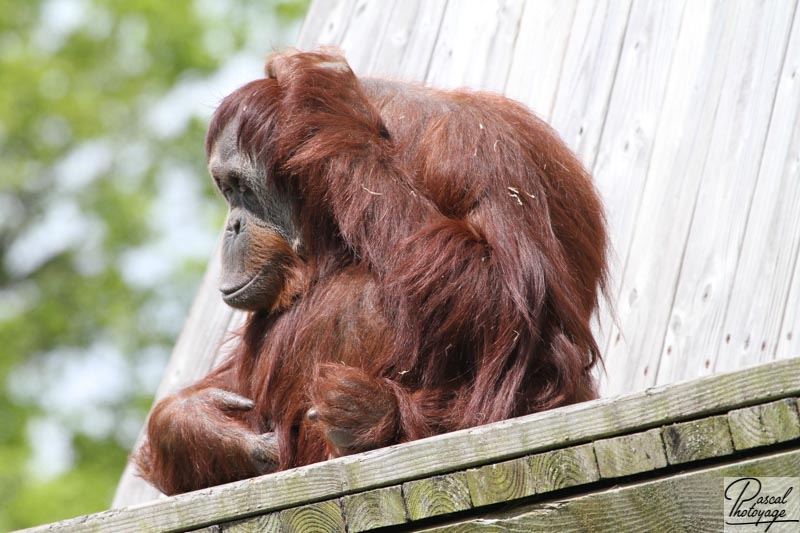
<point x="98" y="200"/>
<point x="86" y="488"/>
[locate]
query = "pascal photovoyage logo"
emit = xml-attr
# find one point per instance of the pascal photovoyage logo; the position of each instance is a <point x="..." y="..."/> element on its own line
<point x="760" y="504"/>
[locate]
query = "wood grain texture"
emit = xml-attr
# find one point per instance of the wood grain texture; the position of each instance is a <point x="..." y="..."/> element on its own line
<point x="690" y="502"/>
<point x="697" y="439"/>
<point x="374" y="509"/>
<point x="760" y="307"/>
<point x="437" y="496"/>
<point x="367" y="20"/>
<point x="575" y="424"/>
<point x="326" y="23"/>
<point x="634" y="112"/>
<point x="587" y="75"/>
<point x="500" y="482"/>
<point x="757" y="303"/>
<point x="624" y="146"/>
<point x="630" y="454"/>
<point x="788" y="344"/>
<point x="584" y="87"/>
<point x="712" y="249"/>
<point x="407" y="47"/>
<point x="535" y="69"/>
<point x="762" y="425"/>
<point x="648" y="266"/>
<point x="322" y="517"/>
<point x="560" y="469"/>
<point x="482" y="61"/>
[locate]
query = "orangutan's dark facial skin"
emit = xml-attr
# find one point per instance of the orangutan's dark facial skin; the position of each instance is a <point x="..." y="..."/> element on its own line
<point x="261" y="236"/>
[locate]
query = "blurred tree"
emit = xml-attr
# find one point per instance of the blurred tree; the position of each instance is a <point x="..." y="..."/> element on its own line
<point x="106" y="222"/>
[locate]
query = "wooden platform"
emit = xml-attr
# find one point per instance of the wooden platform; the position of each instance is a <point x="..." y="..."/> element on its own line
<point x="688" y="115"/>
<point x="623" y="464"/>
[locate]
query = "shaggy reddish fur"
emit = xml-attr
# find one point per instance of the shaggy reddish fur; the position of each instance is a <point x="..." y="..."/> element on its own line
<point x="454" y="250"/>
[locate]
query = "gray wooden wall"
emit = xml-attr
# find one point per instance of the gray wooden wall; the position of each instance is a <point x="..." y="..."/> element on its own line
<point x="688" y="115"/>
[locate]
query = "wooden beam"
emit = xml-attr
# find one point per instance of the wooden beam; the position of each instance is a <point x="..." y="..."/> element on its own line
<point x="437" y="496"/>
<point x="698" y="439"/>
<point x="630" y="454"/>
<point x="688" y="502"/>
<point x="762" y="425"/>
<point x="560" y="469"/>
<point x="374" y="509"/>
<point x="500" y="482"/>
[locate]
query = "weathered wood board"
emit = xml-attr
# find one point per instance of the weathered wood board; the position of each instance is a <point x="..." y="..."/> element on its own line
<point x="688" y="115"/>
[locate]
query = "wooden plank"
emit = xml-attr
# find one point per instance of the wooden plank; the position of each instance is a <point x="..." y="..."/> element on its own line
<point x="539" y="52"/>
<point x="690" y="502"/>
<point x="368" y="20"/>
<point x="132" y="489"/>
<point x="500" y="482"/>
<point x="458" y="450"/>
<point x="584" y="87"/>
<point x="765" y="424"/>
<point x="322" y="517"/>
<point x="789" y="339"/>
<point x="373" y="509"/>
<point x="764" y="307"/>
<point x="482" y="61"/>
<point x="630" y="454"/>
<point x="218" y="504"/>
<point x="406" y="49"/>
<point x="711" y="255"/>
<point x="653" y="259"/>
<point x="587" y="75"/>
<point x="322" y="18"/>
<point x="698" y="439"/>
<point x="624" y="140"/>
<point x="437" y="496"/>
<point x="670" y="186"/>
<point x="565" y="468"/>
<point x="634" y="112"/>
<point x="326" y="23"/>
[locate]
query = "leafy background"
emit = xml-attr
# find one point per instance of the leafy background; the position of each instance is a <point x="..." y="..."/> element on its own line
<point x="107" y="219"/>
